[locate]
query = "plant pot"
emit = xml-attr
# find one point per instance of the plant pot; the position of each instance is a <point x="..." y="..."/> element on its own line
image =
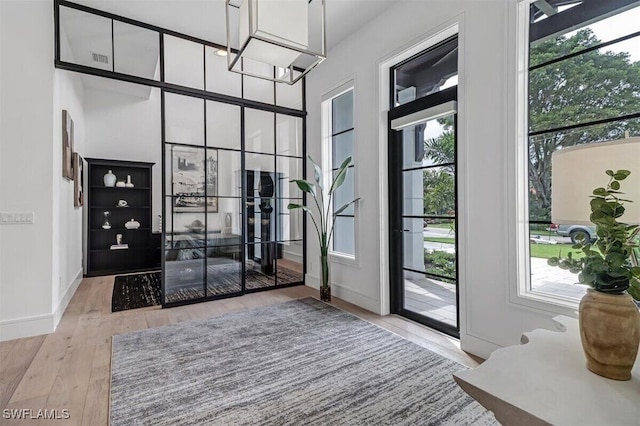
<point x="610" y="333"/>
<point x="325" y="281"/>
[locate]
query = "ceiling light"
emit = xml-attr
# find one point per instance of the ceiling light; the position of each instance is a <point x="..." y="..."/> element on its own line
<point x="221" y="52"/>
<point x="265" y="37"/>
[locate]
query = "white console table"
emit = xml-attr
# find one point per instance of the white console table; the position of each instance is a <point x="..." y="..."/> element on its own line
<point x="545" y="381"/>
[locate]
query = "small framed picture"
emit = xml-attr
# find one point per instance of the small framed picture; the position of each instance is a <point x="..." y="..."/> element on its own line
<point x="67" y="145"/>
<point x="78" y="177"/>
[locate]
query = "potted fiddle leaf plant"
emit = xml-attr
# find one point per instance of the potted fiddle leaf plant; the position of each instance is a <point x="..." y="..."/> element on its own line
<point x="608" y="316"/>
<point x="324" y="218"/>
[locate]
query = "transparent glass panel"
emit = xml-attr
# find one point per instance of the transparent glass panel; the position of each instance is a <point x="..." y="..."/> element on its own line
<point x="430" y="143"/>
<point x="85" y="39"/>
<point x="186" y="166"/>
<point x="429" y="192"/>
<point x="290" y="96"/>
<point x="430" y="72"/>
<point x="289" y="168"/>
<point x="342" y="147"/>
<point x="342" y="112"/>
<point x="259" y="131"/>
<point x="219" y="79"/>
<point x="227" y="221"/>
<point x="183" y="62"/>
<point x="344" y="235"/>
<point x="258" y="165"/>
<point x="136" y="50"/>
<point x="546" y="242"/>
<point x="289" y="263"/>
<point x="185" y="229"/>
<point x="224" y="270"/>
<point x="593" y="86"/>
<point x="290" y="221"/>
<point x="184" y="275"/>
<point x="289" y="135"/>
<point x="602" y="31"/>
<point x="184" y="119"/>
<point x="430" y="297"/>
<point x="345" y="193"/>
<point x="257" y="89"/>
<point x="229" y="178"/>
<point x="260" y="265"/>
<point x="223" y="125"/>
<point x="430" y="246"/>
<point x="261" y="220"/>
<point x="542" y="147"/>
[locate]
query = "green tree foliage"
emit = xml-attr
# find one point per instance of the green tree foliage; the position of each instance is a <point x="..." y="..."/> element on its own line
<point x="439" y="192"/>
<point x="596" y="85"/>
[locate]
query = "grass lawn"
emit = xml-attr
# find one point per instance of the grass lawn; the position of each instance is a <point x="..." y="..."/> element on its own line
<point x="547" y="251"/>
<point x="440" y="240"/>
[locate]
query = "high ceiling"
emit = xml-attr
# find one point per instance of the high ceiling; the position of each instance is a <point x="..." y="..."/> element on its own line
<point x="206" y="18"/>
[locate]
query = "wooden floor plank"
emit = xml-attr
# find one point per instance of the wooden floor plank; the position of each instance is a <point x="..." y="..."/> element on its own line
<point x="70" y="369"/>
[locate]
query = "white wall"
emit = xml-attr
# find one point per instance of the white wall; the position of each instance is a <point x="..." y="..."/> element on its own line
<point x="486" y="184"/>
<point x="123" y="127"/>
<point x="27" y="146"/>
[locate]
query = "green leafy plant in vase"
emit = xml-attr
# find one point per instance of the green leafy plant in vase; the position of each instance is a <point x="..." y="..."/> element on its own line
<point x="324" y="218"/>
<point x="609" y="318"/>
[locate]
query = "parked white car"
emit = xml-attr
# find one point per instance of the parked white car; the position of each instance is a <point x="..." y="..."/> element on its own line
<point x="577" y="233"/>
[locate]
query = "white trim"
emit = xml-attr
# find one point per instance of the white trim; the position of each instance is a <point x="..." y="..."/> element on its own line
<point x="416" y="46"/>
<point x="519" y="292"/>
<point x="346" y="294"/>
<point x="327" y="97"/>
<point x="18" y="328"/>
<point x="66" y="298"/>
<point x="424" y="115"/>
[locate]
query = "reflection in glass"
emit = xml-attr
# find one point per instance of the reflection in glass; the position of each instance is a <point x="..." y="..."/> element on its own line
<point x="289" y="221"/>
<point x="183" y="62"/>
<point x="184" y="274"/>
<point x="136" y="50"/>
<point x="289" y="135"/>
<point x="289" y="168"/>
<point x="219" y="79"/>
<point x="85" y="39"/>
<point x="260" y="265"/>
<point x="229" y="173"/>
<point x="429" y="191"/>
<point x="224" y="270"/>
<point x="429" y="72"/>
<point x="289" y="265"/>
<point x="223" y="125"/>
<point x="259" y="131"/>
<point x="184" y="119"/>
<point x="342" y="112"/>
<point x="257" y="89"/>
<point x="344" y="230"/>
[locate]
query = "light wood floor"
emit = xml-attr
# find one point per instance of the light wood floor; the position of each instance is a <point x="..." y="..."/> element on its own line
<point x="70" y="369"/>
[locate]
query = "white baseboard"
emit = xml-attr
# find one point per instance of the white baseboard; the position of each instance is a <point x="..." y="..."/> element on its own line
<point x="64" y="302"/>
<point x="291" y="255"/>
<point x="346" y="294"/>
<point x="477" y="347"/>
<point x="18" y="328"/>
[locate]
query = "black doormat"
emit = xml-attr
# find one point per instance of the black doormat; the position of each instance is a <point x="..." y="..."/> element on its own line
<point x="136" y="291"/>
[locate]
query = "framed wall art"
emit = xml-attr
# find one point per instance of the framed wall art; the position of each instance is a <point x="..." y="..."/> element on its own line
<point x="78" y="178"/>
<point x="194" y="179"/>
<point x="67" y="145"/>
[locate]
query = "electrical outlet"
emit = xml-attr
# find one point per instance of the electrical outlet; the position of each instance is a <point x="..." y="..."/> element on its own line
<point x="16" y="218"/>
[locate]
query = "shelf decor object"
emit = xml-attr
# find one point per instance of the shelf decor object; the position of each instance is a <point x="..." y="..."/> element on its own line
<point x="279" y="41"/>
<point x="106" y="224"/>
<point x="126" y="245"/>
<point x="109" y="179"/>
<point x="129" y="184"/>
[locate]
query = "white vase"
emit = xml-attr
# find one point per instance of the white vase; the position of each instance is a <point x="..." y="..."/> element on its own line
<point x="132" y="224"/>
<point x="129" y="184"/>
<point x="109" y="179"/>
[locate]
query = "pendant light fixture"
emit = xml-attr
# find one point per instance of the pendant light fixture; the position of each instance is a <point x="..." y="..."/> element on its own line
<point x="277" y="40"/>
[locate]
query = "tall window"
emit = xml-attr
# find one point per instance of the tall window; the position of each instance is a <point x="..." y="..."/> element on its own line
<point x="341" y="142"/>
<point x="584" y="91"/>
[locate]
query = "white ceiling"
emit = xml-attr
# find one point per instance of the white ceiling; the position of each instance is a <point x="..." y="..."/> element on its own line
<point x="205" y="19"/>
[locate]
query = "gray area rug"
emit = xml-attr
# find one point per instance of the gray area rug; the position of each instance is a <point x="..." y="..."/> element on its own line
<point x="296" y="363"/>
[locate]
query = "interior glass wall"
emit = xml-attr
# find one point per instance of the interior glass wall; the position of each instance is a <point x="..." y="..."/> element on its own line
<point x="231" y="146"/>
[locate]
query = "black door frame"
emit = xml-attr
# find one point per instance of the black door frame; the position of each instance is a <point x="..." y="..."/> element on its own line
<point x="396" y="251"/>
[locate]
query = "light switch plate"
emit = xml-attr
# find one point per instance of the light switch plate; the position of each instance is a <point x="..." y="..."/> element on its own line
<point x="16" y="218"/>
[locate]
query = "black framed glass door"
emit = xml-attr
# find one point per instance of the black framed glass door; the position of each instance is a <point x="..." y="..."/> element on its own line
<point x="423" y="207"/>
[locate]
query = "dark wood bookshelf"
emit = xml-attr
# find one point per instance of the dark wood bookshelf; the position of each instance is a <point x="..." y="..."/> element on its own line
<point x="140" y="256"/>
